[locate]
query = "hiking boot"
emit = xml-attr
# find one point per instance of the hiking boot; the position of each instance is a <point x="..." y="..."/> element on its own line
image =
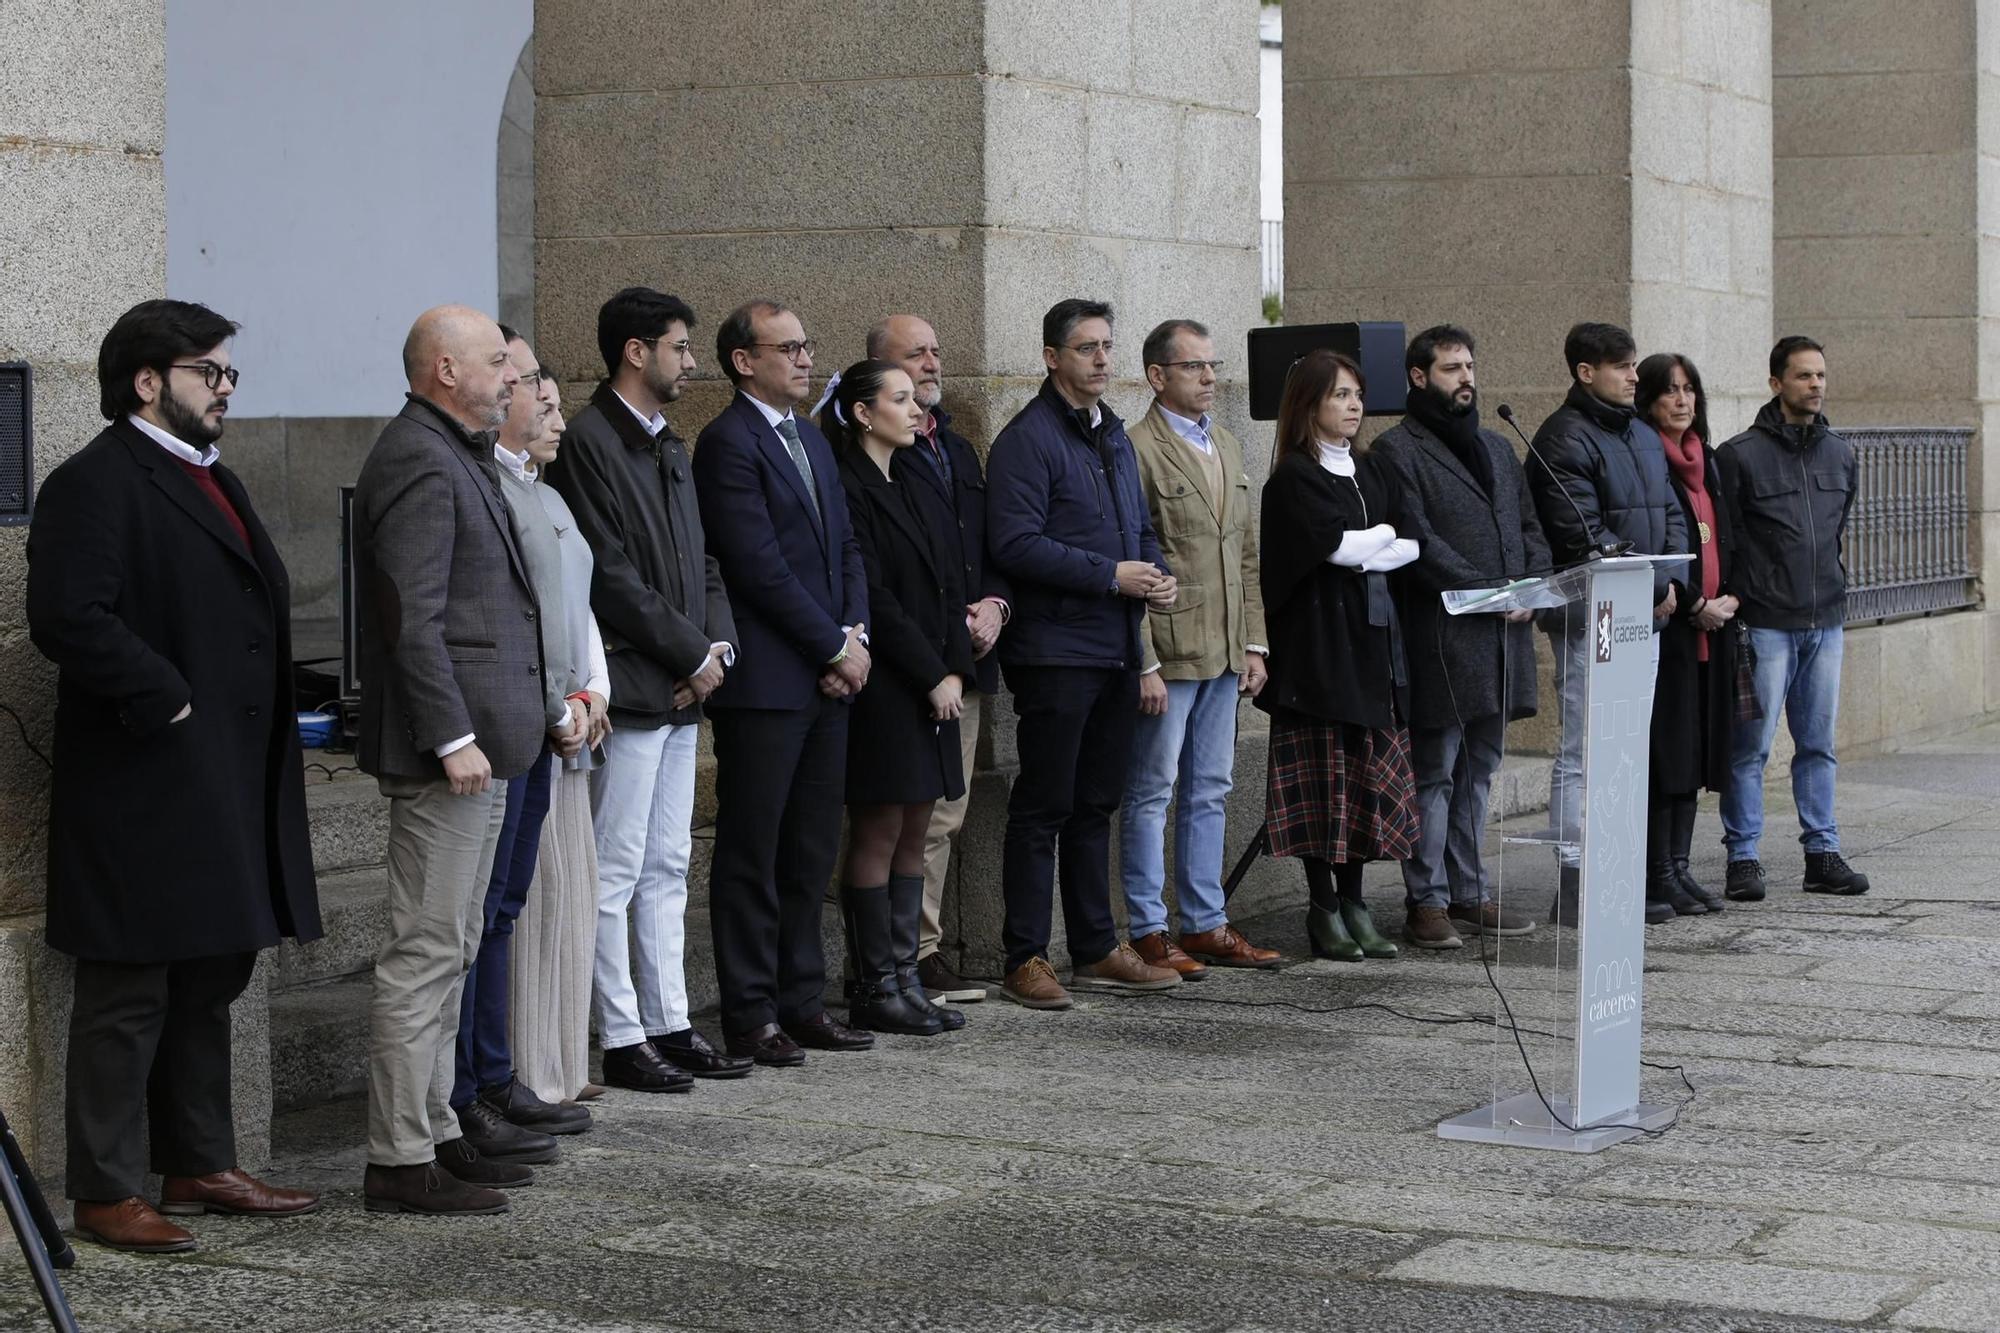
<point x="1159" y="950"/>
<point x="1431" y="928"/>
<point x="1827" y="872"/>
<point x="1746" y="882"/>
<point x="1124" y="972"/>
<point x="1486" y="918"/>
<point x="1033" y="985"/>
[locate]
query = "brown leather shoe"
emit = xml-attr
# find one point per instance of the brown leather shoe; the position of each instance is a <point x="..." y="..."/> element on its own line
<point x="427" y="1188"/>
<point x="1430" y="928"/>
<point x="1225" y="947"/>
<point x="1160" y="950"/>
<point x="234" y="1193"/>
<point x="1124" y="972"/>
<point x="1033" y="985"/>
<point x="824" y="1032"/>
<point x="1486" y="918"/>
<point x="130" y="1224"/>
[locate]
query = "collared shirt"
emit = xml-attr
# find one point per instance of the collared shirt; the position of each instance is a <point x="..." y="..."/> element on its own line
<point x="519" y="464"/>
<point x="179" y="448"/>
<point x="771" y="414"/>
<point x="653" y="424"/>
<point x="1194" y="432"/>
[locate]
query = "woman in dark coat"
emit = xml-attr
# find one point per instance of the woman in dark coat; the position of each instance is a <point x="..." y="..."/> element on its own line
<point x="1341" y="790"/>
<point x="1693" y="701"/>
<point x="903" y="750"/>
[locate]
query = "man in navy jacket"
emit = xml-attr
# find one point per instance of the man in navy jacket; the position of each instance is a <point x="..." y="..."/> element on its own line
<point x="776" y="521"/>
<point x="1067" y="524"/>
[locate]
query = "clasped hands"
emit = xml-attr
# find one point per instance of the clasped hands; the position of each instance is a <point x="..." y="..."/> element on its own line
<point x="845" y="676"/>
<point x="1144" y="580"/>
<point x="696" y="688"/>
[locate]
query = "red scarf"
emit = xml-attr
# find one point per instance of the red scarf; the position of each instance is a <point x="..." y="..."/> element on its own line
<point x="1688" y="457"/>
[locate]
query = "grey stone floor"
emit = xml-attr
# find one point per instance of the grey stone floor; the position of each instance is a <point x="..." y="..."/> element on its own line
<point x="1229" y="1158"/>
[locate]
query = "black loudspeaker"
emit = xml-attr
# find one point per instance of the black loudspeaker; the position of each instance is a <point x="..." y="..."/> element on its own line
<point x="1377" y="345"/>
<point x="17" y="441"/>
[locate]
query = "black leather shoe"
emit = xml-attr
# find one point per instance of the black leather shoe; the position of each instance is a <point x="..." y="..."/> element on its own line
<point x="490" y="1133"/>
<point x="767" y="1045"/>
<point x="690" y="1052"/>
<point x="822" y="1033"/>
<point x="462" y="1162"/>
<point x="640" y="1068"/>
<point x="520" y="1106"/>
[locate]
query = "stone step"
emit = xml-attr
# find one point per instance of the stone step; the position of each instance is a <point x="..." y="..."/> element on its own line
<point x="319" y="1042"/>
<point x="354" y="912"/>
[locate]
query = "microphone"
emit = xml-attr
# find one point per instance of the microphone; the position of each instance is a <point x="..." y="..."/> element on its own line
<point x="1604" y="547"/>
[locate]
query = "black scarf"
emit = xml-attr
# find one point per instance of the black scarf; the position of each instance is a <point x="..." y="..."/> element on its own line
<point x="1459" y="431"/>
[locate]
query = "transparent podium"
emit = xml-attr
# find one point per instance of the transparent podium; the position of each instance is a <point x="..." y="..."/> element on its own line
<point x="1569" y="1001"/>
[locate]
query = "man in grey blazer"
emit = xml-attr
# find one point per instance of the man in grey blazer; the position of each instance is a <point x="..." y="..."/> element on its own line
<point x="452" y="707"/>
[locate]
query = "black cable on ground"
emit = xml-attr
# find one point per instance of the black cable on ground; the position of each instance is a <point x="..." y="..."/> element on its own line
<point x="22" y="727"/>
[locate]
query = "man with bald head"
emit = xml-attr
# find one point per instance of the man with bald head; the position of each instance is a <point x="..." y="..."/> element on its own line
<point x="946" y="467"/>
<point x="452" y="708"/>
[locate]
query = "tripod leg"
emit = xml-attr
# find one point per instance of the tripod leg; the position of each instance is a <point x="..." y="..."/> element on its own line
<point x="46" y="1251"/>
<point x="1258" y="842"/>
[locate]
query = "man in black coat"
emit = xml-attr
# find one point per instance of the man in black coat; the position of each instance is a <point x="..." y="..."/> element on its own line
<point x="1464" y="500"/>
<point x="1599" y="477"/>
<point x="177" y="821"/>
<point x="951" y="475"/>
<point x="668" y="639"/>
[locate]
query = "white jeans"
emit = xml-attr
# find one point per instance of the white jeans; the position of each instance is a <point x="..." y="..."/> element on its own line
<point x="642" y="806"/>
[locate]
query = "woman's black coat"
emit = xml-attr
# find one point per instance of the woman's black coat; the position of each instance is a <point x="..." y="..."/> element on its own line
<point x="167" y="840"/>
<point x="1694" y="701"/>
<point x="896" y="753"/>
<point x="1334" y="650"/>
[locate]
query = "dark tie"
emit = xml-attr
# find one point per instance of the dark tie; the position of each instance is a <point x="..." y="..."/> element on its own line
<point x="788" y="431"/>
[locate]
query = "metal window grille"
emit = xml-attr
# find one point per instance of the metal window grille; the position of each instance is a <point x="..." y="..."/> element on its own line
<point x="1908" y="550"/>
<point x="1274" y="257"/>
<point x="17" y="438"/>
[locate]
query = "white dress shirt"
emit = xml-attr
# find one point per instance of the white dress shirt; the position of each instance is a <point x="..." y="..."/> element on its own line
<point x="177" y="447"/>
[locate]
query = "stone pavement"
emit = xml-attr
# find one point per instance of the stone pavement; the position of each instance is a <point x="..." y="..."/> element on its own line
<point x="1215" y="1160"/>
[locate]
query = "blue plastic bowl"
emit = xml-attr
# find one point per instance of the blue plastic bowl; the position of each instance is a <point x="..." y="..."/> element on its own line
<point x="316" y="729"/>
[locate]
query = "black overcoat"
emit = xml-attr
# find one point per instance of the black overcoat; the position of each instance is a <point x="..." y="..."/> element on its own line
<point x="1694" y="701"/>
<point x="896" y="753"/>
<point x="1473" y="666"/>
<point x="167" y="840"/>
<point x="965" y="493"/>
<point x="1330" y="659"/>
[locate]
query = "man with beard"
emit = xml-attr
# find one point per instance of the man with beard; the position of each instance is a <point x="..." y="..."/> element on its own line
<point x="1464" y="500"/>
<point x="452" y="708"/>
<point x="949" y="474"/>
<point x="177" y="818"/>
<point x="668" y="638"/>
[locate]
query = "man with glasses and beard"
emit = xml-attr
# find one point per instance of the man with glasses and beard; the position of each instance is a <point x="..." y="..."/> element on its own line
<point x="177" y="819"/>
<point x="658" y="597"/>
<point x="1464" y="500"/>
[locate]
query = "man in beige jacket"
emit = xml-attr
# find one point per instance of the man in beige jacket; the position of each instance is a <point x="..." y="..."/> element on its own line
<point x="1200" y="655"/>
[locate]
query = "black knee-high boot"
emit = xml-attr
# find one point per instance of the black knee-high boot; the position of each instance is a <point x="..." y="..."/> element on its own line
<point x="1680" y="846"/>
<point x="1324" y="926"/>
<point x="1665" y="899"/>
<point x="906" y="907"/>
<point x="876" y="1002"/>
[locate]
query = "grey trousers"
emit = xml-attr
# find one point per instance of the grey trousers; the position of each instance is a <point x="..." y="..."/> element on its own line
<point x="1455" y="767"/>
<point x="947" y="817"/>
<point x="440" y="858"/>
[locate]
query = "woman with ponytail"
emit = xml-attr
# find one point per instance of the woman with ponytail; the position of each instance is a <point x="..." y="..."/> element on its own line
<point x="903" y="747"/>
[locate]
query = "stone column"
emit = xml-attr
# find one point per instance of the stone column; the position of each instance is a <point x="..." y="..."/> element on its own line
<point x="972" y="162"/>
<point x="83" y="236"/>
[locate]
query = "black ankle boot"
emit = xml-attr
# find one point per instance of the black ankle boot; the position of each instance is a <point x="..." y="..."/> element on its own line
<point x="1680" y="844"/>
<point x="906" y="908"/>
<point x="1665" y="899"/>
<point x="877" y="1002"/>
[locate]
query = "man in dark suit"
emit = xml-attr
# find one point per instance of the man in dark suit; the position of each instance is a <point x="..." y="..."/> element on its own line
<point x="952" y="477"/>
<point x="177" y="820"/>
<point x="776" y="517"/>
<point x="1464" y="500"/>
<point x="668" y="639"/>
<point x="452" y="707"/>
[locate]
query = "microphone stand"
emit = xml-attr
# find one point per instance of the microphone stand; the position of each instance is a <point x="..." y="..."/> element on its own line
<point x="1602" y="547"/>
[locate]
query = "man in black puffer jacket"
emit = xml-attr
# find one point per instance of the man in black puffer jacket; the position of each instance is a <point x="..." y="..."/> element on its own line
<point x="1789" y="483"/>
<point x="1598" y="474"/>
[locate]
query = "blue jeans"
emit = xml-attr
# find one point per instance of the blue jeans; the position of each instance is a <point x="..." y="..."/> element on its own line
<point x="485" y="1055"/>
<point x="1194" y="743"/>
<point x="1455" y="767"/>
<point x="1797" y="670"/>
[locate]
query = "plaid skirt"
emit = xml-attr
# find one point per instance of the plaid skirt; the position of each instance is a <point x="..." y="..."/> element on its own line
<point x="1340" y="792"/>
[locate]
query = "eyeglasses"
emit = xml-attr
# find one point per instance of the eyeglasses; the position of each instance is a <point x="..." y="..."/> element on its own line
<point x="1192" y="367"/>
<point x="1088" y="350"/>
<point x="678" y="348"/>
<point x="211" y="374"/>
<point x="792" y="350"/>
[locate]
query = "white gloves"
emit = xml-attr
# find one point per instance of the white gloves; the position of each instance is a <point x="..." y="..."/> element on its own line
<point x="1395" y="555"/>
<point x="1358" y="546"/>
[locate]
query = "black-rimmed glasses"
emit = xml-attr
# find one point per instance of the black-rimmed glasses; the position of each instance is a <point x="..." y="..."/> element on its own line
<point x="211" y="374"/>
<point x="792" y="350"/>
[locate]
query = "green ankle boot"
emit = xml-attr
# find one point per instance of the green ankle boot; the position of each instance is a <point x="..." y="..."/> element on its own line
<point x="1360" y="925"/>
<point x="1329" y="937"/>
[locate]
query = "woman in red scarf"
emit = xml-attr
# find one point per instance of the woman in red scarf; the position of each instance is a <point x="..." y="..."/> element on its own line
<point x="1693" y="701"/>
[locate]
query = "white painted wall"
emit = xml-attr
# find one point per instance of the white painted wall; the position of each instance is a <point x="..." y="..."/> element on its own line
<point x="1271" y="109"/>
<point x="330" y="174"/>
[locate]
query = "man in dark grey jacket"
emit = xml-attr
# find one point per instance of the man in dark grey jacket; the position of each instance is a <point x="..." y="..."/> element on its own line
<point x="451" y="708"/>
<point x="1599" y="477"/>
<point x="1464" y="500"/>
<point x="1789" y="483"/>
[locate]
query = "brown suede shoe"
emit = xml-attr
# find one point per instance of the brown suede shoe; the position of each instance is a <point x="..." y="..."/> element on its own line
<point x="1033" y="985"/>
<point x="130" y="1224"/>
<point x="1225" y="947"/>
<point x="1430" y="928"/>
<point x="1486" y="918"/>
<point x="1160" y="950"/>
<point x="234" y="1193"/>
<point x="1124" y="972"/>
